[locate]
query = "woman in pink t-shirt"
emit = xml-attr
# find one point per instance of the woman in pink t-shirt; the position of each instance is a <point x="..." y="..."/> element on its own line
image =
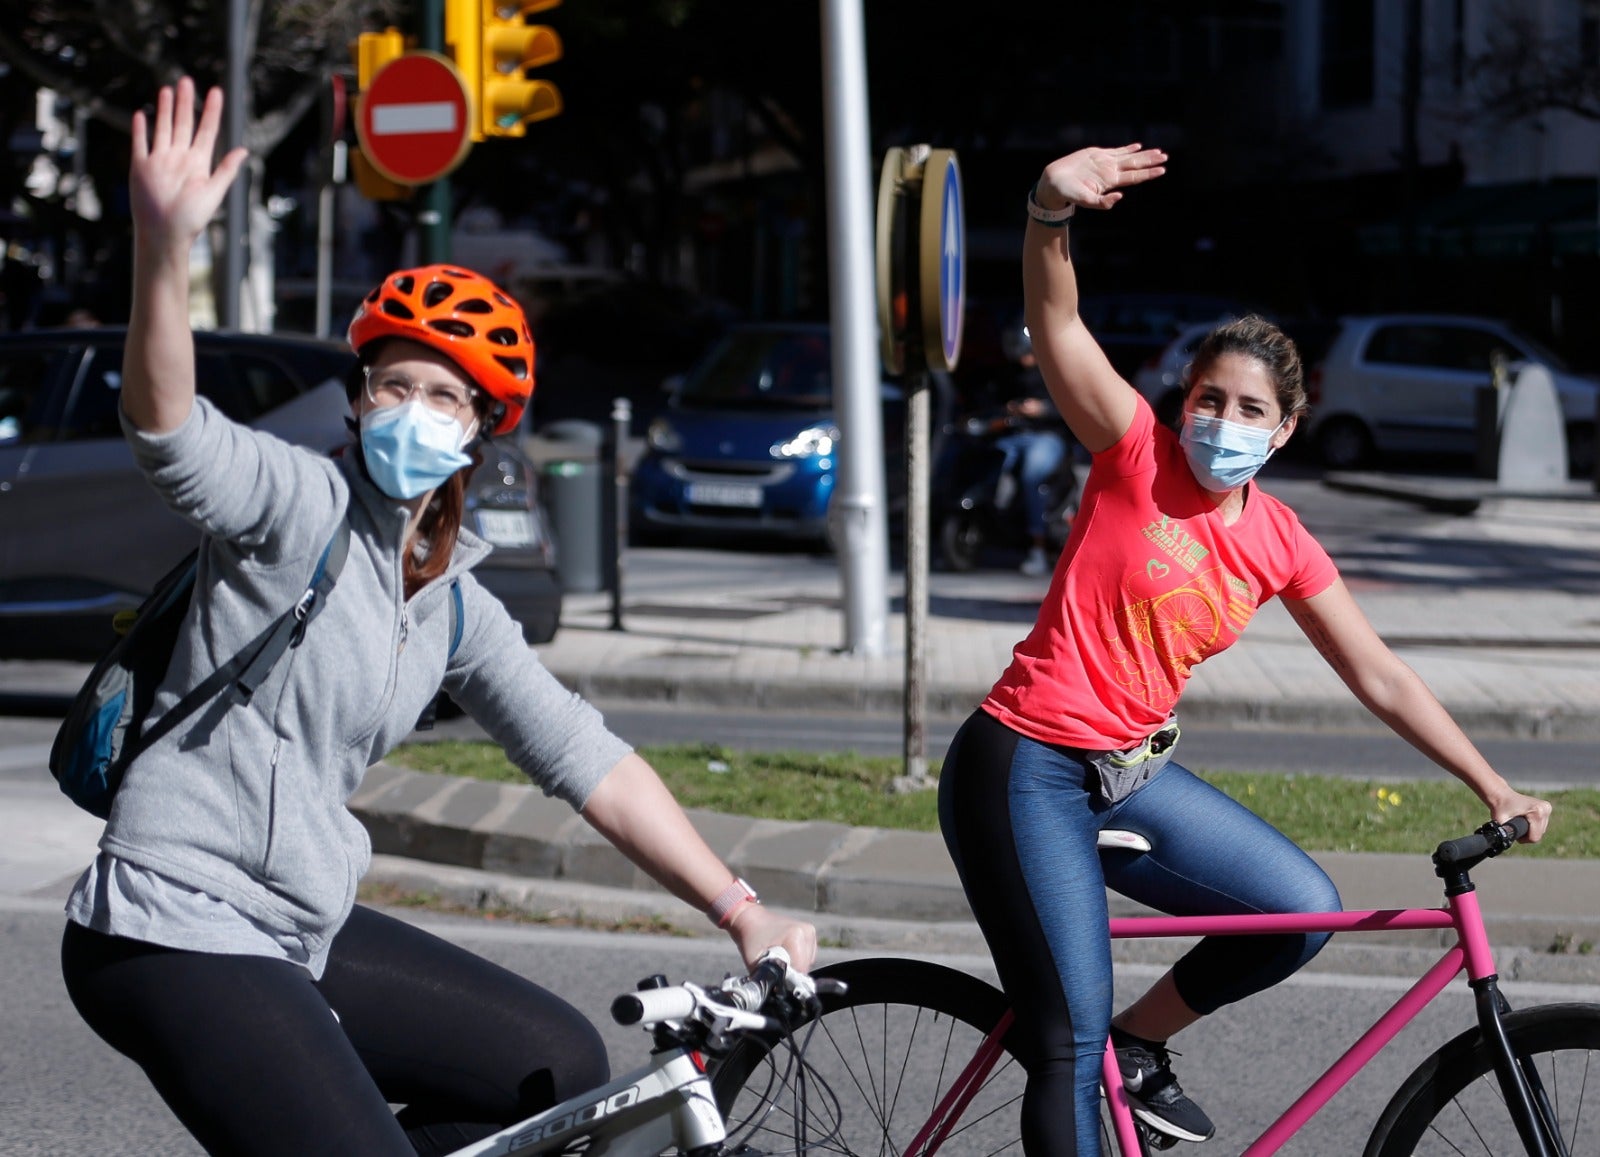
<point x="1173" y="550"/>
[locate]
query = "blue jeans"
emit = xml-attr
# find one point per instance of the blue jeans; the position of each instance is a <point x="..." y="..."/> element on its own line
<point x="1041" y="452"/>
<point x="1020" y="820"/>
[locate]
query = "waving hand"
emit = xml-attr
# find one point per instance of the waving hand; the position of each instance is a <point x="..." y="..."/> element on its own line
<point x="173" y="190"/>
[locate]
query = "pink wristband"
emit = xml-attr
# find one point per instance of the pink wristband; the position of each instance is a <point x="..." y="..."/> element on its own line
<point x="734" y="897"/>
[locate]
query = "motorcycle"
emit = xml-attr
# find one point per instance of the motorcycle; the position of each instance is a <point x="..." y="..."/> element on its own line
<point x="977" y="500"/>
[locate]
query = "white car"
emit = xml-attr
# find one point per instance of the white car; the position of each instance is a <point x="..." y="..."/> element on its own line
<point x="1161" y="378"/>
<point x="1407" y="384"/>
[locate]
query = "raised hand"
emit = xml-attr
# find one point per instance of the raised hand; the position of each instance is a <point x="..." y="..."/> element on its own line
<point x="173" y="189"/>
<point x="1092" y="177"/>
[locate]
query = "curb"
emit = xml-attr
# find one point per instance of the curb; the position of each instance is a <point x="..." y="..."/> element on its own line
<point x="491" y="845"/>
<point x="955" y="703"/>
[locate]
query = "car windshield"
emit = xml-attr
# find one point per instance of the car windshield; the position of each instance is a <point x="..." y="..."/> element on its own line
<point x="759" y="370"/>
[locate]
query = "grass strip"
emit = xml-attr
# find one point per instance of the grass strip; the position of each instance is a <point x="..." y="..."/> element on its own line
<point x="1320" y="813"/>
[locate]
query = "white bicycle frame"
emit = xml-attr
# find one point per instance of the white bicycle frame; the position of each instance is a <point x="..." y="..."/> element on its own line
<point x="667" y="1104"/>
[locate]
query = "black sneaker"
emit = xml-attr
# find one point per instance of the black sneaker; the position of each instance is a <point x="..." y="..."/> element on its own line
<point x="1156" y="1098"/>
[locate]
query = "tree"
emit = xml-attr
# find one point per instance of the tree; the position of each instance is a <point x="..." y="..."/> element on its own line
<point x="109" y="56"/>
<point x="1524" y="71"/>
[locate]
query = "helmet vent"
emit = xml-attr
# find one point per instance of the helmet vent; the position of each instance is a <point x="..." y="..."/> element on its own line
<point x="502" y="335"/>
<point x="404" y="283"/>
<point x="474" y="305"/>
<point x="437" y="292"/>
<point x="397" y="309"/>
<point x="518" y="367"/>
<point x="451" y="326"/>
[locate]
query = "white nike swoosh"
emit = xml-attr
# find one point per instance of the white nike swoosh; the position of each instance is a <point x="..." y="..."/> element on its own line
<point x="1134" y="1083"/>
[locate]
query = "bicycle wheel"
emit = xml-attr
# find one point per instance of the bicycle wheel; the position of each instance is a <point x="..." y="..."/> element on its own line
<point x="1452" y="1104"/>
<point x="874" y="1065"/>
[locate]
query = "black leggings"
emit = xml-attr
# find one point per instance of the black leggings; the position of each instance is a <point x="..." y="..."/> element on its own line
<point x="256" y="1058"/>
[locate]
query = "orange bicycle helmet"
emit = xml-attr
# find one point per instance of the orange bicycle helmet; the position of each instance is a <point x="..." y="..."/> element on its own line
<point x="462" y="315"/>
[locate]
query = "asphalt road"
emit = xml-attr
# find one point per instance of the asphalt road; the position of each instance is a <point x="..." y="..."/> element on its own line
<point x="1379" y="755"/>
<point x="24" y="744"/>
<point x="66" y="1092"/>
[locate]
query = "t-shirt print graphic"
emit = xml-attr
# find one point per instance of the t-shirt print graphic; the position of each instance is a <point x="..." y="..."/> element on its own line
<point x="1156" y="641"/>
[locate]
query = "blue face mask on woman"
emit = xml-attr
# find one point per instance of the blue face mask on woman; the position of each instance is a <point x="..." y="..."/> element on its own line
<point x="410" y="448"/>
<point x="1224" y="455"/>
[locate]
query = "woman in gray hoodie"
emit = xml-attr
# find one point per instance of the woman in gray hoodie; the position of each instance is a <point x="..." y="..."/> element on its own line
<point x="215" y="938"/>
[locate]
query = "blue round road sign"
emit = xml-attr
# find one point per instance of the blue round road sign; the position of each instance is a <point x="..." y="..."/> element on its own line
<point x="943" y="282"/>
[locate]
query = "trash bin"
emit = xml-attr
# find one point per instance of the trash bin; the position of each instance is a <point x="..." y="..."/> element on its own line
<point x="574" y="493"/>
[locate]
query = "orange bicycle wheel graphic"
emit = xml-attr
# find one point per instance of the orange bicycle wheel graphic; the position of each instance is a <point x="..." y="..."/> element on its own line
<point x="1185" y="623"/>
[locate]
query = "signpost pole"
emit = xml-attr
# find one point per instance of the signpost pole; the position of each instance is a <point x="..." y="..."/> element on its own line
<point x="921" y="249"/>
<point x="433" y="218"/>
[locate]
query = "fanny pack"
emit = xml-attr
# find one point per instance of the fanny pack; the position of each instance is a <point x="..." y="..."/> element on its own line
<point x="1124" y="772"/>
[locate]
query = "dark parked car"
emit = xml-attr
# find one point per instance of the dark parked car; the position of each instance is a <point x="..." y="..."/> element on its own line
<point x="82" y="535"/>
<point x="749" y="442"/>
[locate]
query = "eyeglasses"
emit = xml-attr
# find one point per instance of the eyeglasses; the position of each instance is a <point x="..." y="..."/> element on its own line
<point x="391" y="388"/>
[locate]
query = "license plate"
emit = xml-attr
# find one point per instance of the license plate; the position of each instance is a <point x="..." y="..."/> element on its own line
<point x="723" y="494"/>
<point x="506" y="527"/>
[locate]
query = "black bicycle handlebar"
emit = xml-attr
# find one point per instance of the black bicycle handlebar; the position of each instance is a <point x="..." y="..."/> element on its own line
<point x="1489" y="840"/>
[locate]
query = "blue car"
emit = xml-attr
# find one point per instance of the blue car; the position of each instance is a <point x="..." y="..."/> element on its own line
<point x="749" y="443"/>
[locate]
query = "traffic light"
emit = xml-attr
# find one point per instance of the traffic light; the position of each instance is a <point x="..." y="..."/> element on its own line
<point x="492" y="44"/>
<point x="369" y="52"/>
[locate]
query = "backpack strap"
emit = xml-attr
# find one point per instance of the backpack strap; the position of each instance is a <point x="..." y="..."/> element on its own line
<point x="275" y="640"/>
<point x="291" y="628"/>
<point x="458" y="616"/>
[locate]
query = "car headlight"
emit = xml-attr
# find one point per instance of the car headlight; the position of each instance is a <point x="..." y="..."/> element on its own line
<point x="663" y="438"/>
<point x="811" y="442"/>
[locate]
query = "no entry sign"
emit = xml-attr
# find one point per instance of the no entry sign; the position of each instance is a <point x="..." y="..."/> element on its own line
<point x="414" y="123"/>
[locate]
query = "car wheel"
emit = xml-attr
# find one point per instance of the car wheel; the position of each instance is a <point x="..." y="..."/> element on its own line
<point x="960" y="541"/>
<point x="1580" y="450"/>
<point x="1344" y="443"/>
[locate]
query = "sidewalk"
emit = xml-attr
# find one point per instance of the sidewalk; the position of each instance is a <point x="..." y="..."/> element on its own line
<point x="1499" y="612"/>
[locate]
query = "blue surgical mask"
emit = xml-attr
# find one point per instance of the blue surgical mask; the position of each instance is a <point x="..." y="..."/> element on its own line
<point x="410" y="449"/>
<point x="1224" y="455"/>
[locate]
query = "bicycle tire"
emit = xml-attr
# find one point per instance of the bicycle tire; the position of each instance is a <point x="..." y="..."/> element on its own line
<point x="889" y="1049"/>
<point x="1452" y="1103"/>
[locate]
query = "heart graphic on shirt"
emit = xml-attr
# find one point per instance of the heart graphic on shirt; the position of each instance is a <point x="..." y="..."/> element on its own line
<point x="1156" y="569"/>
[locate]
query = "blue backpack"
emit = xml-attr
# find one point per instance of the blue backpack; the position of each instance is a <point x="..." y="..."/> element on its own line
<point x="104" y="728"/>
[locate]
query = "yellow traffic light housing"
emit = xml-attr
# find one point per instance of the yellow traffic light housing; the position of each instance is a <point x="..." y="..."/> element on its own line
<point x="493" y="45"/>
<point x="371" y="51"/>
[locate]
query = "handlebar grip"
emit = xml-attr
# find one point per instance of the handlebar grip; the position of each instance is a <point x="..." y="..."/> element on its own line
<point x="652" y="1005"/>
<point x="1489" y="840"/>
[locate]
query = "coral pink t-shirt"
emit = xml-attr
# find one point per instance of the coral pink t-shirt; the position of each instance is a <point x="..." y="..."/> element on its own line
<point x="1150" y="583"/>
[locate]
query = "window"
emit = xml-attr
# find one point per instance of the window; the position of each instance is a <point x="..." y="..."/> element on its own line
<point x="1438" y="347"/>
<point x="27" y="380"/>
<point x="266" y="385"/>
<point x="1349" y="35"/>
<point x="93" y="409"/>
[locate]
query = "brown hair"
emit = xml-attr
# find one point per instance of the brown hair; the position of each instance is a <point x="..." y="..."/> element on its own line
<point x="440" y="523"/>
<point x="1256" y="337"/>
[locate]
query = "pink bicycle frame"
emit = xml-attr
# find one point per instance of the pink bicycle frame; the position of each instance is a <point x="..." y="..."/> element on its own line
<point x="1470" y="952"/>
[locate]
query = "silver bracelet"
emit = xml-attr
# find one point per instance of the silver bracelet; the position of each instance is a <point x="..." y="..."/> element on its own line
<point x="1054" y="218"/>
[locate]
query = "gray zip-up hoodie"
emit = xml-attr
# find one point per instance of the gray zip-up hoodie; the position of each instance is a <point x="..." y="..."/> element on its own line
<point x="246" y="802"/>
